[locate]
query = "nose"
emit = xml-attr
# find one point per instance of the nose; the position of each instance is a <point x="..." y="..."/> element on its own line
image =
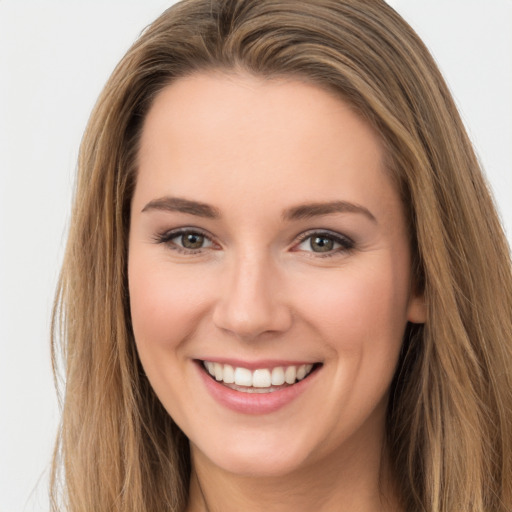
<point x="251" y="301"/>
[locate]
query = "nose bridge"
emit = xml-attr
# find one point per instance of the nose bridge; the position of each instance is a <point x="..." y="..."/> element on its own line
<point x="250" y="303"/>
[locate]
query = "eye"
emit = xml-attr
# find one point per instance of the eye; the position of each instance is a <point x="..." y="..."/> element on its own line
<point x="191" y="240"/>
<point x="324" y="243"/>
<point x="185" y="240"/>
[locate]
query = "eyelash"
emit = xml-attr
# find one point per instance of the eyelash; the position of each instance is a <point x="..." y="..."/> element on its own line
<point x="345" y="243"/>
<point x="167" y="237"/>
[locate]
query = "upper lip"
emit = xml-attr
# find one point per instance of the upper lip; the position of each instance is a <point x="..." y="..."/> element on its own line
<point x="257" y="364"/>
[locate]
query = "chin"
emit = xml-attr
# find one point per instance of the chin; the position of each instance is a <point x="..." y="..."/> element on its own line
<point x="258" y="458"/>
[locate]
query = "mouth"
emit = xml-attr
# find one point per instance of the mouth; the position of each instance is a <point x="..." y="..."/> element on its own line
<point x="261" y="380"/>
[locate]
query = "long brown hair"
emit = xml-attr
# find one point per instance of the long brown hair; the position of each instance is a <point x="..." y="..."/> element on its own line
<point x="449" y="425"/>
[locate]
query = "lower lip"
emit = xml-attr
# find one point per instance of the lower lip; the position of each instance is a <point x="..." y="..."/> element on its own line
<point x="254" y="403"/>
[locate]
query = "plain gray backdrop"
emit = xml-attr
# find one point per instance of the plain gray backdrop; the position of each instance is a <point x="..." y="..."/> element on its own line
<point x="55" y="57"/>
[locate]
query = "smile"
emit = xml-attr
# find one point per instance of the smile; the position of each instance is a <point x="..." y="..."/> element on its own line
<point x="261" y="380"/>
<point x="257" y="387"/>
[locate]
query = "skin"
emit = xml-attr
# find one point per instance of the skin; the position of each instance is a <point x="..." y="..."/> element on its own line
<point x="254" y="149"/>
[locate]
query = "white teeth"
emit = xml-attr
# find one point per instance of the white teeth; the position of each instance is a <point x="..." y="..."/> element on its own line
<point x="243" y="377"/>
<point x="229" y="374"/>
<point x="218" y="370"/>
<point x="261" y="378"/>
<point x="278" y="376"/>
<point x="290" y="374"/>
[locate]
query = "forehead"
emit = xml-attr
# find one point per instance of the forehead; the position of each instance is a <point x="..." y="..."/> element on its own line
<point x="216" y="136"/>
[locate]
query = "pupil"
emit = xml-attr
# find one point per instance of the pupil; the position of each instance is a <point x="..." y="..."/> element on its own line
<point x="321" y="244"/>
<point x="192" y="241"/>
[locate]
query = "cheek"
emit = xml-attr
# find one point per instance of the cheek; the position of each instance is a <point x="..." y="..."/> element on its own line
<point x="166" y="304"/>
<point x="358" y="307"/>
<point x="164" y="307"/>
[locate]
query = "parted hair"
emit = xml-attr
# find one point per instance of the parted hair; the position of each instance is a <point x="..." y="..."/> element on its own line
<point x="449" y="422"/>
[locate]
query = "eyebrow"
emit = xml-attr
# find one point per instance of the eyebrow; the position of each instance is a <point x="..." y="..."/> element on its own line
<point x="310" y="210"/>
<point x="300" y="212"/>
<point x="177" y="204"/>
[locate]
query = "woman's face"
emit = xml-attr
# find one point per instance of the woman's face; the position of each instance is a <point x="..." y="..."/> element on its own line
<point x="267" y="241"/>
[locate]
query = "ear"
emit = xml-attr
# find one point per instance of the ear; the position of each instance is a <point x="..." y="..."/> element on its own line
<point x="417" y="309"/>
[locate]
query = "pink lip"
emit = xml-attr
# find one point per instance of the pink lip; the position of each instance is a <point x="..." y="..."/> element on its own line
<point x="254" y="403"/>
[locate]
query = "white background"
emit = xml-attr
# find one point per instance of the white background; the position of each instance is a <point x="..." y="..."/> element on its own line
<point x="54" y="58"/>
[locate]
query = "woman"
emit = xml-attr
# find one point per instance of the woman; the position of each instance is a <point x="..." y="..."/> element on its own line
<point x="285" y="286"/>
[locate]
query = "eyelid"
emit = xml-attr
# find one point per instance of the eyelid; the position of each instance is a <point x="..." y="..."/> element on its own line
<point x="345" y="243"/>
<point x="166" y="237"/>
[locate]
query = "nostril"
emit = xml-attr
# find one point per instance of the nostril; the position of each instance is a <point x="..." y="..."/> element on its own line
<point x="251" y="323"/>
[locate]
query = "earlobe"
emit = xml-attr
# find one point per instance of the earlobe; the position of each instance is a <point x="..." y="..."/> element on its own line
<point x="417" y="310"/>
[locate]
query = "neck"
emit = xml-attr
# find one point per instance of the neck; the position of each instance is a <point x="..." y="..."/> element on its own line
<point x="343" y="482"/>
